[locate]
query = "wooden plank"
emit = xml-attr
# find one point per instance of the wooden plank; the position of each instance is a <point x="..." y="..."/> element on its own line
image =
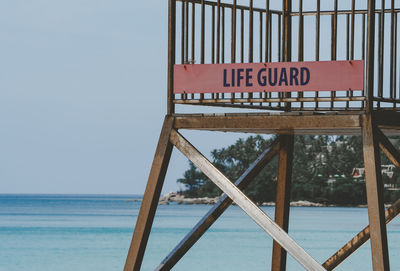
<point x="150" y="198"/>
<point x="387" y="147"/>
<point x="362" y="237"/>
<point x="273" y="123"/>
<point x="374" y="184"/>
<point x="387" y="119"/>
<point x="282" y="206"/>
<point x="266" y="223"/>
<point x="205" y="223"/>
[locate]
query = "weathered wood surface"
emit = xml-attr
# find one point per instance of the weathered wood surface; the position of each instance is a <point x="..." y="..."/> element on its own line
<point x="150" y="198"/>
<point x="282" y="206"/>
<point x="387" y="147"/>
<point x="205" y="223"/>
<point x="362" y="237"/>
<point x="374" y="185"/>
<point x="390" y="119"/>
<point x="275" y="124"/>
<point x="266" y="223"/>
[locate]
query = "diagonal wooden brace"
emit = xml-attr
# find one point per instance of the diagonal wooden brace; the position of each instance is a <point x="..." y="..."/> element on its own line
<point x="205" y="223"/>
<point x="363" y="236"/>
<point x="358" y="240"/>
<point x="387" y="147"/>
<point x="265" y="222"/>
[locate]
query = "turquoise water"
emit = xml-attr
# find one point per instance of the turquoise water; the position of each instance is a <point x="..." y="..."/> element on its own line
<point x="86" y="232"/>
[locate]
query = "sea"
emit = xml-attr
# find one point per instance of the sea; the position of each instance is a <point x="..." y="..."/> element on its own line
<point x="93" y="232"/>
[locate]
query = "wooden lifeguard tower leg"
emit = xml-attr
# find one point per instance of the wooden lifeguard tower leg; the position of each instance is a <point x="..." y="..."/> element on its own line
<point x="150" y="198"/>
<point x="374" y="185"/>
<point x="363" y="236"/>
<point x="282" y="205"/>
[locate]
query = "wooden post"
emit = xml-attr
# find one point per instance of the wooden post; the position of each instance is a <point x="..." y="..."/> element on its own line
<point x="282" y="205"/>
<point x="150" y="198"/>
<point x="364" y="235"/>
<point x="205" y="223"/>
<point x="266" y="223"/>
<point x="374" y="184"/>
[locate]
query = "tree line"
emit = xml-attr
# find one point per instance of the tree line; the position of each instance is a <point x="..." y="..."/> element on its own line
<point x="322" y="171"/>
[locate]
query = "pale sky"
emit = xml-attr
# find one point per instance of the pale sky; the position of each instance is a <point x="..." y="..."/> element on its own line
<point x="83" y="95"/>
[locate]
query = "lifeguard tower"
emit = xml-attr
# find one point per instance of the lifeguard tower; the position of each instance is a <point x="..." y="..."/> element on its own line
<point x="306" y="67"/>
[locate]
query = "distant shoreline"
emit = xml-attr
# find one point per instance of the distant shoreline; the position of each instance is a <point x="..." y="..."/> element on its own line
<point x="176" y="198"/>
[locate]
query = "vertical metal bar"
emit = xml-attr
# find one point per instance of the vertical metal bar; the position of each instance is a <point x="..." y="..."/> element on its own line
<point x="317" y="29"/>
<point x="187" y="31"/>
<point x="213" y="40"/>
<point x="381" y="45"/>
<point x="223" y="36"/>
<point x="374" y="185"/>
<point x="392" y="49"/>
<point x="193" y="53"/>
<point x="279" y="39"/>
<point x="270" y="38"/>
<point x="363" y="38"/>
<point x="267" y="15"/>
<point x="353" y="18"/>
<point x="261" y="37"/>
<point x="317" y="38"/>
<point x="203" y="25"/>
<point x="369" y="86"/>
<point x="283" y="190"/>
<point x="150" y="198"/>
<point x="183" y="34"/>
<point x="333" y="44"/>
<point x="251" y="33"/>
<point x="223" y="41"/>
<point x="395" y="61"/>
<point x="347" y="37"/>
<point x="301" y="42"/>
<point x="287" y="39"/>
<point x="193" y="36"/>
<point x="218" y="30"/>
<point x="241" y="41"/>
<point x="261" y="45"/>
<point x="287" y="25"/>
<point x="233" y="33"/>
<point x="233" y="38"/>
<point x="348" y="93"/>
<point x="251" y="37"/>
<point x="241" y="35"/>
<point x="213" y="35"/>
<point x="363" y="53"/>
<point x="171" y="55"/>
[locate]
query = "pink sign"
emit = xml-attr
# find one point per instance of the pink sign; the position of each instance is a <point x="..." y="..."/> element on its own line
<point x="269" y="77"/>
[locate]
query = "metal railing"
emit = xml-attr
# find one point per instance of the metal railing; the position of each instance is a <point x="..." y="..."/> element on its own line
<point x="210" y="32"/>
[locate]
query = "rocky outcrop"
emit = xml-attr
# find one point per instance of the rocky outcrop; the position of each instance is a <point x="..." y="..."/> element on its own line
<point x="180" y="199"/>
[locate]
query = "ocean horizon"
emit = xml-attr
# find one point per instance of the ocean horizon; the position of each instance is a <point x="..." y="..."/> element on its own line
<point x="93" y="232"/>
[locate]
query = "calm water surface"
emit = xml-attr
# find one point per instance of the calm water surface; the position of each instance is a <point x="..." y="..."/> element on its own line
<point x="86" y="232"/>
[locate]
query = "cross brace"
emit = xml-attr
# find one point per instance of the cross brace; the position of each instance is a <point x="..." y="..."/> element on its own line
<point x="266" y="223"/>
